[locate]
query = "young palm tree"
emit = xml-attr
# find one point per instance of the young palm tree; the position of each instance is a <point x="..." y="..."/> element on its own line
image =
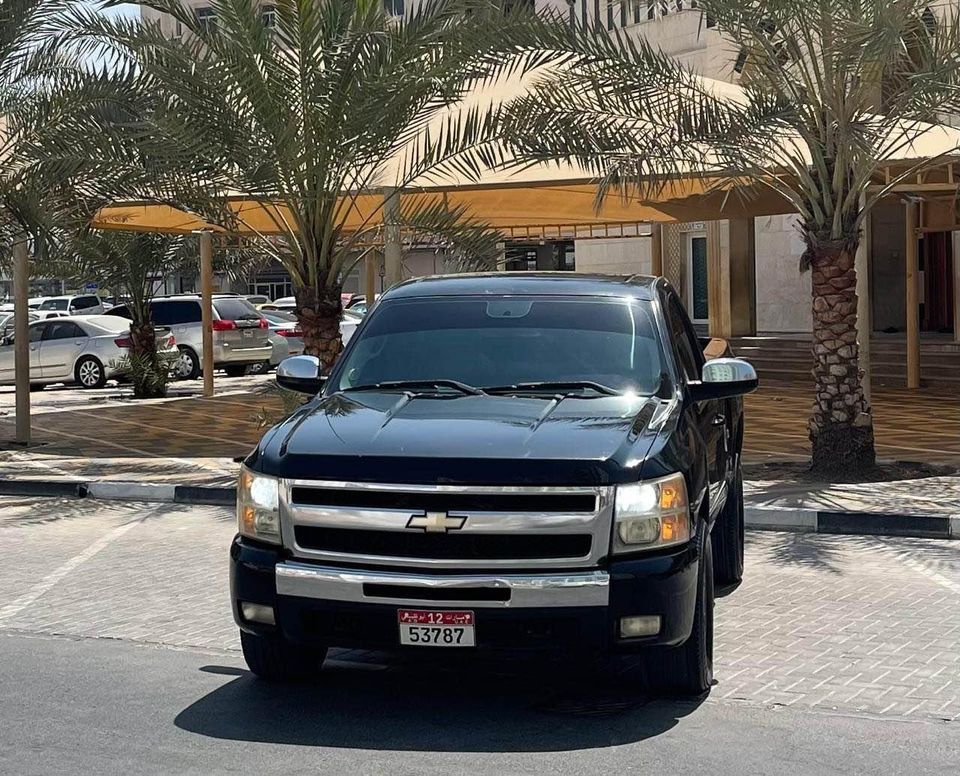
<point x="317" y="108"/>
<point x="833" y="89"/>
<point x="130" y="264"/>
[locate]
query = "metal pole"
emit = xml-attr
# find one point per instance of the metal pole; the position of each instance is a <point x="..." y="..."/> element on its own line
<point x="913" y="299"/>
<point x="206" y="308"/>
<point x="21" y="338"/>
<point x="392" y="250"/>
<point x="656" y="249"/>
<point x="864" y="321"/>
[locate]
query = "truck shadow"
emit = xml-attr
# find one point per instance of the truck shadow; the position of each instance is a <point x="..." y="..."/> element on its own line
<point x="445" y="706"/>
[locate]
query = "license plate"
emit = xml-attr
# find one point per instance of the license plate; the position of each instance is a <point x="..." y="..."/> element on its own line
<point x="424" y="628"/>
<point x="247" y="332"/>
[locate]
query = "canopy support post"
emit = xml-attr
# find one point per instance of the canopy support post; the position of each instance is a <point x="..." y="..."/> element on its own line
<point x="21" y="338"/>
<point x="913" y="298"/>
<point x="864" y="318"/>
<point x="206" y="309"/>
<point x="370" y="277"/>
<point x="392" y="250"/>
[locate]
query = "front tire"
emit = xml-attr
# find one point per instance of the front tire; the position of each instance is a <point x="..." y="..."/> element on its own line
<point x="89" y="373"/>
<point x="687" y="670"/>
<point x="274" y="659"/>
<point x="728" y="535"/>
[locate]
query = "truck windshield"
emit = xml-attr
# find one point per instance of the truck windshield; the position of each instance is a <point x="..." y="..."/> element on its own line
<point x="503" y="341"/>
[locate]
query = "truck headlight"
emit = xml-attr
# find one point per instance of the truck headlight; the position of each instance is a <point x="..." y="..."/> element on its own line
<point x="650" y="515"/>
<point x="258" y="506"/>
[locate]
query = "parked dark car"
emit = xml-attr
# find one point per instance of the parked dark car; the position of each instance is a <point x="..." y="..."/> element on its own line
<point x="505" y="461"/>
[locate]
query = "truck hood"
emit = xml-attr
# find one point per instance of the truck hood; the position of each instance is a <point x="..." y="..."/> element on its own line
<point x="399" y="438"/>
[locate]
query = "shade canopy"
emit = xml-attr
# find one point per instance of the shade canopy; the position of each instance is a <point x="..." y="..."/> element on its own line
<point x="540" y="195"/>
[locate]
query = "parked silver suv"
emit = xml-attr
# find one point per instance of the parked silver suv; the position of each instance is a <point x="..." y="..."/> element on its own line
<point x="240" y="333"/>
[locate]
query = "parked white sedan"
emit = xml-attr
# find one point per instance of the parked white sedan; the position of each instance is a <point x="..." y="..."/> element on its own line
<point x="87" y="350"/>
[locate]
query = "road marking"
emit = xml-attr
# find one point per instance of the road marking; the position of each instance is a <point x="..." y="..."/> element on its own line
<point x="21" y="603"/>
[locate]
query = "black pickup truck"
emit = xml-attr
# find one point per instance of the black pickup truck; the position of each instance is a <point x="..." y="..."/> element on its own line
<point x="500" y="462"/>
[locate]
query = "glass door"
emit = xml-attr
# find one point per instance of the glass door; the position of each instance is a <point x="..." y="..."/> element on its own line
<point x="697" y="283"/>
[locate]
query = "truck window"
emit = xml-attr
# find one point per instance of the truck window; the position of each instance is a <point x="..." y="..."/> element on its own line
<point x="502" y="341"/>
<point x="685" y="342"/>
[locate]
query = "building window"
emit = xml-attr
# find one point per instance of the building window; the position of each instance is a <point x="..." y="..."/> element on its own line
<point x="710" y="22"/>
<point x="583" y="11"/>
<point x="623" y="13"/>
<point x="596" y="11"/>
<point x="207" y="18"/>
<point x="610" y="14"/>
<point x="637" y="12"/>
<point x="268" y="15"/>
<point x="393" y="7"/>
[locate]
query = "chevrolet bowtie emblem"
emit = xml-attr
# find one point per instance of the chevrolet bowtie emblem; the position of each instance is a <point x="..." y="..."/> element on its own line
<point x="436" y="522"/>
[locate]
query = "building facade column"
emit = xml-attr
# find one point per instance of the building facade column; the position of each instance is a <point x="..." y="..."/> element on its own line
<point x="864" y="307"/>
<point x="913" y="297"/>
<point x="732" y="287"/>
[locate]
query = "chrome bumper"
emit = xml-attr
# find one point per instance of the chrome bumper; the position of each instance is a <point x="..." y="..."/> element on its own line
<point x="589" y="588"/>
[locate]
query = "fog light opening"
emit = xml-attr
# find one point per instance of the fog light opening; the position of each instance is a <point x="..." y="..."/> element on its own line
<point x="636" y="627"/>
<point x="257" y="613"/>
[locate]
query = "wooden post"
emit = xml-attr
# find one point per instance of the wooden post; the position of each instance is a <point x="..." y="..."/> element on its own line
<point x="913" y="299"/>
<point x="370" y="277"/>
<point x="21" y="338"/>
<point x="656" y="249"/>
<point x="718" y="284"/>
<point x="392" y="250"/>
<point x="864" y="318"/>
<point x="206" y="309"/>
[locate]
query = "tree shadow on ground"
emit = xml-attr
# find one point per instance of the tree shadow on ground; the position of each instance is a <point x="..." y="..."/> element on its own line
<point x="786" y="548"/>
<point x="437" y="705"/>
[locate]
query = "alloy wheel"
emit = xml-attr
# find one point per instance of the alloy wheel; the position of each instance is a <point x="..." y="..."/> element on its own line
<point x="89" y="373"/>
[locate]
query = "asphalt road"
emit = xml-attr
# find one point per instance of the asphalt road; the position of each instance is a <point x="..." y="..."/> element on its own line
<point x="838" y="655"/>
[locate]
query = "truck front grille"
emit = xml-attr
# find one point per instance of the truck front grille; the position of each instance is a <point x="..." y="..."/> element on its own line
<point x="445" y="546"/>
<point x="488" y="526"/>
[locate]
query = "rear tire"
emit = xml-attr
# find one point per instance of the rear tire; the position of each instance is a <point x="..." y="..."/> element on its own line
<point x="89" y="373"/>
<point x="687" y="670"/>
<point x="37" y="387"/>
<point x="235" y="370"/>
<point x="728" y="536"/>
<point x="275" y="659"/>
<point x="188" y="367"/>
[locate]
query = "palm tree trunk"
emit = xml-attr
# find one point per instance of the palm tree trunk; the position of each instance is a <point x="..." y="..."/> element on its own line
<point x="319" y="316"/>
<point x="148" y="373"/>
<point x="841" y="426"/>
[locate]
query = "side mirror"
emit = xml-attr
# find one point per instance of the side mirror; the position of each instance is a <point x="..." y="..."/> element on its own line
<point x="301" y="374"/>
<point x="723" y="378"/>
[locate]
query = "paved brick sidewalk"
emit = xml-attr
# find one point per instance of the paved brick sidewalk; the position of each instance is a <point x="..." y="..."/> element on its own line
<point x="829" y="622"/>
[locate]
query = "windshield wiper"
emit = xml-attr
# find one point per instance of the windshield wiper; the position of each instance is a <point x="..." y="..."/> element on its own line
<point x="389" y="385"/>
<point x="557" y="387"/>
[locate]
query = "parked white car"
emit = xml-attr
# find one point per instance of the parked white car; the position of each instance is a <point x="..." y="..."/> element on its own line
<point x="87" y="350"/>
<point x="84" y="304"/>
<point x="287" y="338"/>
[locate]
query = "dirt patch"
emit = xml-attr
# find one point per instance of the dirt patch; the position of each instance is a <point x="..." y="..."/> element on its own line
<point x="886" y="471"/>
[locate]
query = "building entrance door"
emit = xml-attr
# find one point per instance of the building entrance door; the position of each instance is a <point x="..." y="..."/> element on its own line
<point x="697" y="284"/>
<point x="936" y="267"/>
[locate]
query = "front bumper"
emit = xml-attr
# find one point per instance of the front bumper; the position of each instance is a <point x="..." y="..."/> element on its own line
<point x="575" y="611"/>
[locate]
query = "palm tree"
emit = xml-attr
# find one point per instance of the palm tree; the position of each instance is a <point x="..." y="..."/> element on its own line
<point x="320" y="111"/>
<point x="130" y="264"/>
<point x="832" y="90"/>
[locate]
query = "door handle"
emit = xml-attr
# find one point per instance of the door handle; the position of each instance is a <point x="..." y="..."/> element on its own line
<point x="719" y="420"/>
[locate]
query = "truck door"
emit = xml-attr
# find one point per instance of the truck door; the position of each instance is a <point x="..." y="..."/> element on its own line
<point x="710" y="419"/>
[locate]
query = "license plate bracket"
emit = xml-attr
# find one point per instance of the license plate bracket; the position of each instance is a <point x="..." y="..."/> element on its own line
<point x="436" y="628"/>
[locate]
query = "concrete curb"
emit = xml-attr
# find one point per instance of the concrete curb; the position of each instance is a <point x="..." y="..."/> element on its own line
<point x="856" y="523"/>
<point x="757" y="517"/>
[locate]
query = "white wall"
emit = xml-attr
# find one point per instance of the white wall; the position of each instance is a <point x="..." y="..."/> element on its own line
<point x="783" y="294"/>
<point x="625" y="256"/>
